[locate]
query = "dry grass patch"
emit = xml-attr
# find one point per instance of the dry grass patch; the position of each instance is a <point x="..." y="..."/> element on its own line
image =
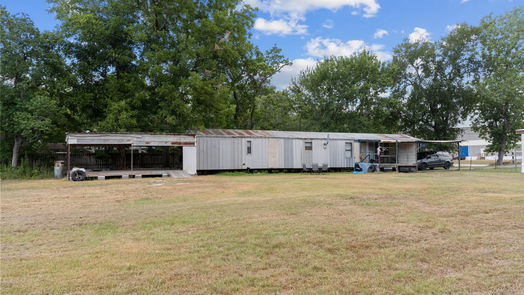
<point x="437" y="233"/>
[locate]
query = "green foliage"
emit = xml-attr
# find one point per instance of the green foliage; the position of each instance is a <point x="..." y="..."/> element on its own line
<point x="346" y="94"/>
<point x="276" y="111"/>
<point x="25" y="171"/>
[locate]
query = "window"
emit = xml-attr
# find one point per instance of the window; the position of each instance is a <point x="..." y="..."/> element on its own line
<point x="308" y="146"/>
<point x="249" y="147"/>
<point x="349" y="150"/>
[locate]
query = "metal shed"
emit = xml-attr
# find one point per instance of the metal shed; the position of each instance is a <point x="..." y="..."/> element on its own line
<point x="231" y="149"/>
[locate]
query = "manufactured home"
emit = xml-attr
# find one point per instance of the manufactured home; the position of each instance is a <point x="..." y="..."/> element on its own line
<point x="226" y="149"/>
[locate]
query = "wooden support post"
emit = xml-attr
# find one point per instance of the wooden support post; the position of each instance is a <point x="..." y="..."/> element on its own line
<point x="68" y="162"/>
<point x="131" y="157"/>
<point x="396" y="154"/>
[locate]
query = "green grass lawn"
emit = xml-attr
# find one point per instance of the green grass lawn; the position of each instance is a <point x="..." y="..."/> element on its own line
<point x="390" y="233"/>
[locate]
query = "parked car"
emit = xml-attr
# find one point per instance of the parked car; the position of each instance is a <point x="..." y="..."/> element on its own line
<point x="438" y="159"/>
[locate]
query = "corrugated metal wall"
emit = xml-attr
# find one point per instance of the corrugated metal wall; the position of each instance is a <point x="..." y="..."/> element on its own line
<point x="407" y="153"/>
<point x="289" y="154"/>
<point x="337" y="154"/>
<point x="215" y="153"/>
<point x="259" y="157"/>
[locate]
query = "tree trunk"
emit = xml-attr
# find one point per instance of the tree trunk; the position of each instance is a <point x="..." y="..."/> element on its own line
<point x="501" y="152"/>
<point x="252" y="117"/>
<point x="16" y="150"/>
<point x="237" y="109"/>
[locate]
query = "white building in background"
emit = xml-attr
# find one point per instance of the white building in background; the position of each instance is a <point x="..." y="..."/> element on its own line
<point x="521" y="132"/>
<point x="474" y="148"/>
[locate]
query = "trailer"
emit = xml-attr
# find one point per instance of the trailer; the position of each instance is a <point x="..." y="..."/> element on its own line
<point x="237" y="150"/>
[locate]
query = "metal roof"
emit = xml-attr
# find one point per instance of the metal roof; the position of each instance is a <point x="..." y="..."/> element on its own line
<point x="307" y="135"/>
<point x="135" y="139"/>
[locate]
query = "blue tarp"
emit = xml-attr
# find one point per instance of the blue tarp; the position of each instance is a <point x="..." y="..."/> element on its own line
<point x="364" y="166"/>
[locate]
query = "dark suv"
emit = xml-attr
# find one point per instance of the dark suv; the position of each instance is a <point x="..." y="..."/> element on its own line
<point x="438" y="159"/>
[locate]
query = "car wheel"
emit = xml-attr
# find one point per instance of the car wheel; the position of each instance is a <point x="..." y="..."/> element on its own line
<point x="423" y="166"/>
<point x="78" y="175"/>
<point x="447" y="165"/>
<point x="372" y="168"/>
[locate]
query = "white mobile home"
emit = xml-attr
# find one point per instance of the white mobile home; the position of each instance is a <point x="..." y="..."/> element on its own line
<point x="227" y="149"/>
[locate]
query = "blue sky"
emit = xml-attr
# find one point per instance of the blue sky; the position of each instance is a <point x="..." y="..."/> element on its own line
<point x="309" y="30"/>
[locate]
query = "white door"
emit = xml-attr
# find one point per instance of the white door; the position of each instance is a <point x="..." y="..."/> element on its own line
<point x="307" y="153"/>
<point x="348" y="154"/>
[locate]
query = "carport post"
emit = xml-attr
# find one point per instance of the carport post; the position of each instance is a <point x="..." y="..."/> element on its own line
<point x="68" y="161"/>
<point x="458" y="148"/>
<point x="131" y="157"/>
<point x="396" y="154"/>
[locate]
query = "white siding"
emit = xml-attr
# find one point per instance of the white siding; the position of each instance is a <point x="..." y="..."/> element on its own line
<point x="275" y="152"/>
<point x="189" y="159"/>
<point x="258" y="157"/>
<point x="407" y="153"/>
<point x="215" y="153"/>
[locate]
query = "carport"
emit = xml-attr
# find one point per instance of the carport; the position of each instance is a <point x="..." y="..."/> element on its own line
<point x="451" y="142"/>
<point x="128" y="145"/>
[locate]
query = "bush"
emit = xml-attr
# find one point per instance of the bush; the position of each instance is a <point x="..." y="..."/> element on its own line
<point x="25" y="171"/>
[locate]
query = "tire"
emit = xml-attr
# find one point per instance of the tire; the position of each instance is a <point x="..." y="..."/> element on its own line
<point x="431" y="168"/>
<point x="447" y="165"/>
<point x="78" y="175"/>
<point x="423" y="166"/>
<point x="372" y="168"/>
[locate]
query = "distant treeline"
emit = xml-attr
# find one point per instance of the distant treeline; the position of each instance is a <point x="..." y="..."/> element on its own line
<point x="171" y="66"/>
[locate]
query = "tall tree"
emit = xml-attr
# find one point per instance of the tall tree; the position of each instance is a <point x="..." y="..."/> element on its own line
<point x="500" y="85"/>
<point x="346" y="94"/>
<point x="163" y="65"/>
<point x="31" y="77"/>
<point x="433" y="82"/>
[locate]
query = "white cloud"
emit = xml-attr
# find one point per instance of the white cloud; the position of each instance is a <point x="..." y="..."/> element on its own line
<point x="301" y="7"/>
<point x="283" y="78"/>
<point x="380" y="33"/>
<point x="464" y="1"/>
<point x="419" y="35"/>
<point x="280" y="27"/>
<point x="320" y="47"/>
<point x="328" y="24"/>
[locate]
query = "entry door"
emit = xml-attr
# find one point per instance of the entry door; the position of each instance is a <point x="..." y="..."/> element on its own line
<point x="307" y="158"/>
<point x="348" y="154"/>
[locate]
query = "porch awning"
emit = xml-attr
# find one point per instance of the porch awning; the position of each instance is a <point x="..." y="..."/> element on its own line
<point x="439" y="141"/>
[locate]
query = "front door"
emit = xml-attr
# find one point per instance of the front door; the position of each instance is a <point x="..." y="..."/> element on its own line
<point x="348" y="154"/>
<point x="307" y="158"/>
